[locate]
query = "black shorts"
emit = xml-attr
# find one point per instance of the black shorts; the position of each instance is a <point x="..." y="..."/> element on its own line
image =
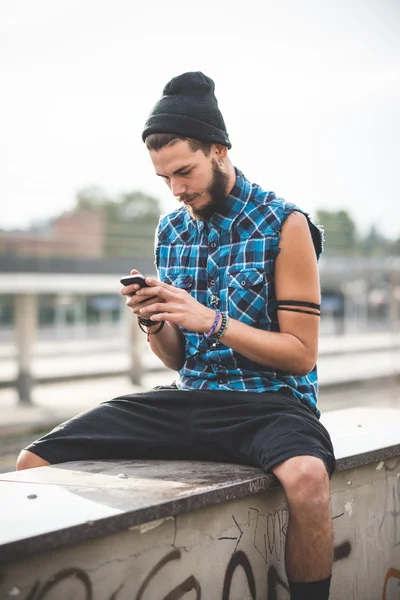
<point x="260" y="429"/>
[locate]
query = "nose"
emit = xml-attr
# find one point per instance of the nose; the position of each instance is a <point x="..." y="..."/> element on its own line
<point x="178" y="187"/>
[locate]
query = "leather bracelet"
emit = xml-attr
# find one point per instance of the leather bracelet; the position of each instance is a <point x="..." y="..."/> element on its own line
<point x="145" y="322"/>
<point x="161" y="325"/>
<point x="149" y="332"/>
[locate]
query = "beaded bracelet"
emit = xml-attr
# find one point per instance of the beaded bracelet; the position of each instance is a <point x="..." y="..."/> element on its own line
<point x="214" y="325"/>
<point x="222" y="329"/>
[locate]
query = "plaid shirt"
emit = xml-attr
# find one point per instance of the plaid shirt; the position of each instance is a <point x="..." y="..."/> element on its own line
<point x="228" y="262"/>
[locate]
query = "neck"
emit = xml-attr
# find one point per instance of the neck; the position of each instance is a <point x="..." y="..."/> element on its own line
<point x="230" y="171"/>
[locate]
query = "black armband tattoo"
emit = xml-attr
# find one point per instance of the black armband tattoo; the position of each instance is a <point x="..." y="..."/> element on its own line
<point x="289" y="304"/>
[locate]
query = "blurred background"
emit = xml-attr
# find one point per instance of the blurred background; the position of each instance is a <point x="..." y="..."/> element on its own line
<point x="310" y="93"/>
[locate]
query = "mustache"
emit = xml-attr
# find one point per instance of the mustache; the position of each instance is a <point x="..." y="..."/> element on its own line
<point x="187" y="197"/>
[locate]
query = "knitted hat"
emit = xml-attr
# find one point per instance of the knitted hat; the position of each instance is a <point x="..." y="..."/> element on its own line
<point x="189" y="108"/>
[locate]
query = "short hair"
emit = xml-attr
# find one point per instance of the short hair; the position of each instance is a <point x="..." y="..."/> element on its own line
<point x="156" y="141"/>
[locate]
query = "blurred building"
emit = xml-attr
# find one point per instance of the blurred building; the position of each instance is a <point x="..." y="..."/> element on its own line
<point x="75" y="234"/>
<point x="358" y="293"/>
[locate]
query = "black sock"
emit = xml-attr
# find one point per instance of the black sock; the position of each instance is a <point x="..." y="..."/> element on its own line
<point x="312" y="590"/>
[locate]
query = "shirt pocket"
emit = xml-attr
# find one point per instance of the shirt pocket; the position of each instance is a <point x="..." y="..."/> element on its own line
<point x="246" y="295"/>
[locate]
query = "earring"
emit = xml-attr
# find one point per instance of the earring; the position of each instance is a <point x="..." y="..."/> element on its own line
<point x="221" y="163"/>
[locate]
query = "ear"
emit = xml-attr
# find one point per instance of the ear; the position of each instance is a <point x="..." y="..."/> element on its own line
<point x="219" y="150"/>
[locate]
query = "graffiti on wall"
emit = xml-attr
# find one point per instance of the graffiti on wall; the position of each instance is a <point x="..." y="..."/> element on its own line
<point x="391" y="574"/>
<point x="267" y="532"/>
<point x="392" y="501"/>
<point x="238" y="560"/>
<point x="263" y="532"/>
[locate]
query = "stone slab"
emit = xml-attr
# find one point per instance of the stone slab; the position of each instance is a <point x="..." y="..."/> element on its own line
<point x="231" y="551"/>
<point x="60" y="505"/>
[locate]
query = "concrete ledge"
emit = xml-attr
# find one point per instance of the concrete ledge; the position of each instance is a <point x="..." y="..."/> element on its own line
<point x="57" y="506"/>
<point x="104" y="497"/>
<point x="148" y="529"/>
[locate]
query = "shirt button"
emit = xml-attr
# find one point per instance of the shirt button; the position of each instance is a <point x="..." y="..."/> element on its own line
<point x="243" y="283"/>
<point x="213" y="301"/>
<point x="212" y="282"/>
<point x="213" y="245"/>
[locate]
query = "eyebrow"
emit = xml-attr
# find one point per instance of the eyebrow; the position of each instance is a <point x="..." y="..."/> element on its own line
<point x="177" y="172"/>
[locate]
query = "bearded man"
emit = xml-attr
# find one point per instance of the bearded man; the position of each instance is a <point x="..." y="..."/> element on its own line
<point x="235" y="311"/>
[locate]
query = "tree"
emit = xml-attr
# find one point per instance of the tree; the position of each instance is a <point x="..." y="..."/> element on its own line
<point x="374" y="243"/>
<point x="91" y="198"/>
<point x="130" y="220"/>
<point x="394" y="247"/>
<point x="340" y="232"/>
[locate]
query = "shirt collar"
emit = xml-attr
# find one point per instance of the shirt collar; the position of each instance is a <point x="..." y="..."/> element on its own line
<point x="234" y="205"/>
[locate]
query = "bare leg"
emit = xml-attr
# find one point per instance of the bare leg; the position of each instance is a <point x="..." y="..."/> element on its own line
<point x="29" y="460"/>
<point x="309" y="542"/>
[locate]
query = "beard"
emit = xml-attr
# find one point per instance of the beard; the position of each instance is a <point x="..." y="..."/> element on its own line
<point x="217" y="192"/>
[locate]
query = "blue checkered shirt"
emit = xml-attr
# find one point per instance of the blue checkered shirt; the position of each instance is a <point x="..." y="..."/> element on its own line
<point x="228" y="262"/>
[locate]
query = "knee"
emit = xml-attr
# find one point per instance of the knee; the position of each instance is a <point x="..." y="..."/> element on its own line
<point x="305" y="481"/>
<point x="29" y="460"/>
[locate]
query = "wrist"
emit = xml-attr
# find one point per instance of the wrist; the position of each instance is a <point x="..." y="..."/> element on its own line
<point x="213" y="325"/>
<point x="220" y="330"/>
<point x="145" y="325"/>
<point x="218" y="327"/>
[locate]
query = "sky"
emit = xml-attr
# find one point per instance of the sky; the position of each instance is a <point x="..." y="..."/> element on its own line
<point x="310" y="93"/>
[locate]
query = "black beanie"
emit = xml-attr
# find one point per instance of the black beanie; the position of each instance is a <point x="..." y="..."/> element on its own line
<point x="189" y="108"/>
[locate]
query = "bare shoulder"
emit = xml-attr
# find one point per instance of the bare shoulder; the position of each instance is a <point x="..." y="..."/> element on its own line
<point x="295" y="231"/>
<point x="296" y="270"/>
<point x="296" y="242"/>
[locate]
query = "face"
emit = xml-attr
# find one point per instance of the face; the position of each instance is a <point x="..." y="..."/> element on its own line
<point x="194" y="179"/>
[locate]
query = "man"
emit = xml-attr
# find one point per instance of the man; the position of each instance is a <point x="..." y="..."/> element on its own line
<point x="235" y="311"/>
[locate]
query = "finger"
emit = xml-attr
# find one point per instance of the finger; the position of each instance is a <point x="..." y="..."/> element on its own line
<point x="136" y="303"/>
<point x="165" y="316"/>
<point x="156" y="307"/>
<point x="139" y="297"/>
<point x="135" y="272"/>
<point x="154" y="282"/>
<point x="129" y="290"/>
<point x="162" y="292"/>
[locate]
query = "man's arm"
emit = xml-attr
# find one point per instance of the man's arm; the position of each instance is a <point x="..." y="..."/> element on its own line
<point x="169" y="346"/>
<point x="294" y="348"/>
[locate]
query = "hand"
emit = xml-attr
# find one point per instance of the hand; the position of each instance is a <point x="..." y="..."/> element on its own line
<point x="174" y="305"/>
<point x="135" y="303"/>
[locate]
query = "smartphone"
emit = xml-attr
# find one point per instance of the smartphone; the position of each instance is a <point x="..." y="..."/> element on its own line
<point x="131" y="279"/>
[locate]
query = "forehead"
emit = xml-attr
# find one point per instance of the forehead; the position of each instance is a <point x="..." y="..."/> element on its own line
<point x="173" y="157"/>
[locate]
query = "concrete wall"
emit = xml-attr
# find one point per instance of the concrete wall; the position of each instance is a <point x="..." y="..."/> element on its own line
<point x="231" y="551"/>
